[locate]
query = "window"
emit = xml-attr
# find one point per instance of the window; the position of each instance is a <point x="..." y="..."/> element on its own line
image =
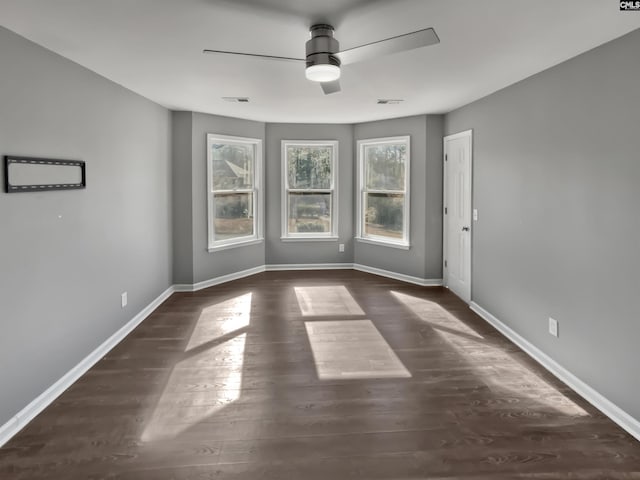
<point x="234" y="203"/>
<point x="309" y="199"/>
<point x="383" y="191"/>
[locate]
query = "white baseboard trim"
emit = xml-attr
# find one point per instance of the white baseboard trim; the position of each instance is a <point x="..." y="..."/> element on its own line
<point x="218" y="280"/>
<point x="308" y="266"/>
<point x="24" y="416"/>
<point x="611" y="410"/>
<point x="423" y="282"/>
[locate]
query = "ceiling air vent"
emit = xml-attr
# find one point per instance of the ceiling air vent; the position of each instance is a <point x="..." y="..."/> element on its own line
<point x="389" y="101"/>
<point x="236" y="99"/>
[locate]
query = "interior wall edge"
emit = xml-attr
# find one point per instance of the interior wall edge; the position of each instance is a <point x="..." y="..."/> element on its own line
<point x="42" y="401"/>
<point x="37" y="405"/>
<point x="69" y="257"/>
<point x="218" y="280"/>
<point x="423" y="282"/>
<point x="624" y="420"/>
<point x="279" y="267"/>
<point x="555" y="173"/>
<point x="30" y="411"/>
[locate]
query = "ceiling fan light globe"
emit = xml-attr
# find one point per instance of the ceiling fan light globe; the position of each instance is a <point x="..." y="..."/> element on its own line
<point x="322" y="73"/>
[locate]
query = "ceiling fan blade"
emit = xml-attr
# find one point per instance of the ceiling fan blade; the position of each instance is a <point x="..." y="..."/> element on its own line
<point x="269" y="57"/>
<point x="408" y="41"/>
<point x="330" y="87"/>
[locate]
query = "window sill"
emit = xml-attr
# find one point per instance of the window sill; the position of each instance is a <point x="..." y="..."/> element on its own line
<point x="243" y="243"/>
<point x="309" y="239"/>
<point x="382" y="243"/>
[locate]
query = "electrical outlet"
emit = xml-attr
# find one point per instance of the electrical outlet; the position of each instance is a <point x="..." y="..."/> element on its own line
<point x="341" y="248"/>
<point x="123" y="299"/>
<point x="553" y="327"/>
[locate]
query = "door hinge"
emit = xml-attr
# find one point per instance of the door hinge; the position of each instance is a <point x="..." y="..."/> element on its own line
<point x="445" y="264"/>
<point x="446" y="157"/>
<point x="445" y="210"/>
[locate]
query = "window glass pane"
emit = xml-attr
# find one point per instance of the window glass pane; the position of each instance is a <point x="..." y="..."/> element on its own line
<point x="233" y="215"/>
<point x="309" y="166"/>
<point x="384" y="166"/>
<point x="384" y="215"/>
<point x="309" y="212"/>
<point x="232" y="166"/>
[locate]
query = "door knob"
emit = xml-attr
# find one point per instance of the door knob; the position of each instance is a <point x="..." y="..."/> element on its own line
<point x="465" y="229"/>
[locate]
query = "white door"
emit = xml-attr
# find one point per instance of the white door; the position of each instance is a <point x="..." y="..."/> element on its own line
<point x="457" y="214"/>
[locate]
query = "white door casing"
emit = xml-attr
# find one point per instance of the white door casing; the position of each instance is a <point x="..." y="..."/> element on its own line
<point x="457" y="214"/>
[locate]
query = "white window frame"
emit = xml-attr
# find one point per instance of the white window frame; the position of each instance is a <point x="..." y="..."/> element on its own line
<point x="256" y="191"/>
<point x="311" y="236"/>
<point x="361" y="236"/>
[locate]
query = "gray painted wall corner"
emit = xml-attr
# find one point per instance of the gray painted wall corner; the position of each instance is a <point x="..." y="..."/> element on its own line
<point x="67" y="256"/>
<point x="433" y="200"/>
<point x="206" y="265"/>
<point x="409" y="262"/>
<point x="555" y="182"/>
<point x="279" y="252"/>
<point x="182" y="190"/>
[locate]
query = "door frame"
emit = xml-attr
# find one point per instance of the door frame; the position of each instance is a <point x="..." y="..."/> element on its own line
<point x="445" y="219"/>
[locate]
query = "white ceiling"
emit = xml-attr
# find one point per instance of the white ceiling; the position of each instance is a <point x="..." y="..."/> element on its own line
<point x="154" y="47"/>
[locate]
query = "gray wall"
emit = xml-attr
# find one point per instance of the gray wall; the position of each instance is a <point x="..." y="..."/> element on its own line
<point x="423" y="259"/>
<point x="279" y="252"/>
<point x="66" y="256"/>
<point x="182" y="205"/>
<point x="556" y="175"/>
<point x="192" y="262"/>
<point x="433" y="197"/>
<point x="211" y="265"/>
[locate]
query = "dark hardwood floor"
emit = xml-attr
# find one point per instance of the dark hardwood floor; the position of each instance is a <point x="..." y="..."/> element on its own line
<point x="223" y="384"/>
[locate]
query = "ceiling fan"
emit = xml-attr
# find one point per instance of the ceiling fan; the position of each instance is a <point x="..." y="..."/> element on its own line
<point x="324" y="58"/>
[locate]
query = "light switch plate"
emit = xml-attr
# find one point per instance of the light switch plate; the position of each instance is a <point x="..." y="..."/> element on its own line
<point x="475" y="214"/>
<point x="553" y="327"/>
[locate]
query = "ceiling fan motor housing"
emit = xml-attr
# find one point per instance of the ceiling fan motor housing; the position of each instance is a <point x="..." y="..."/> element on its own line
<point x="322" y="47"/>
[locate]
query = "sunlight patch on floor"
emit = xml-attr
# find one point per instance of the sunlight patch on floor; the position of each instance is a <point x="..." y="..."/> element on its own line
<point x="326" y="301"/>
<point x="352" y="349"/>
<point x="510" y="375"/>
<point x="435" y="315"/>
<point x="221" y="319"/>
<point x="209" y="376"/>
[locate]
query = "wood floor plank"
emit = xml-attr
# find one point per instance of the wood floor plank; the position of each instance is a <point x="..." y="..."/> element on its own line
<point x="223" y="384"/>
